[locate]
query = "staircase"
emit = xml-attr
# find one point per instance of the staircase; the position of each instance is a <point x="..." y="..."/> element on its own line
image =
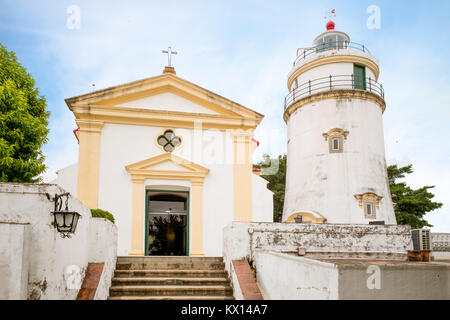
<point x="170" y="278"/>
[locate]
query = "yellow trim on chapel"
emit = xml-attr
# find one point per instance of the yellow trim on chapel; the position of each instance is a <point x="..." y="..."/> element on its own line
<point x="113" y="96"/>
<point x="242" y="172"/>
<point x="88" y="161"/>
<point x="194" y="173"/>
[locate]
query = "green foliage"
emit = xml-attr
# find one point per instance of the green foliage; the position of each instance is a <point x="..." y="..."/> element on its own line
<point x="410" y="205"/>
<point x="98" y="213"/>
<point x="23" y="122"/>
<point x="277" y="182"/>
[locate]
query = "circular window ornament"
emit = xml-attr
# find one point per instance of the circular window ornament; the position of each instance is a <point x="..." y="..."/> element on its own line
<point x="169" y="141"/>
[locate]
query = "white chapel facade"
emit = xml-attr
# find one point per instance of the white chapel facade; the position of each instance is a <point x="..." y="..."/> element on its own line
<point x="165" y="153"/>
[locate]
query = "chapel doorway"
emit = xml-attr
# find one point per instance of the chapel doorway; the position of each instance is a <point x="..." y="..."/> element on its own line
<point x="167" y="214"/>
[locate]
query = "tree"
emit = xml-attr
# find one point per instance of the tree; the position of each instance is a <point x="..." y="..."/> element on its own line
<point x="410" y="205"/>
<point x="23" y="122"/>
<point x="277" y="183"/>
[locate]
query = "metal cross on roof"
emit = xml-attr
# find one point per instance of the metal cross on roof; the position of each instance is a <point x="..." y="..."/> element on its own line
<point x="169" y="55"/>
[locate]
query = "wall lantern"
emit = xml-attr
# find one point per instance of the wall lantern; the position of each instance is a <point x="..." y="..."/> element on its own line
<point x="65" y="221"/>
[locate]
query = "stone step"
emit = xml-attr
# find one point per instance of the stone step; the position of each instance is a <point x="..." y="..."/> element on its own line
<point x="170" y="266"/>
<point x="171" y="298"/>
<point x="218" y="290"/>
<point x="169" y="259"/>
<point x="170" y="273"/>
<point x="180" y="281"/>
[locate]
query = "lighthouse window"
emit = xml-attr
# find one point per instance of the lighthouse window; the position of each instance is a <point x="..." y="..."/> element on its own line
<point x="369" y="210"/>
<point x="335" y="138"/>
<point x="336" y="144"/>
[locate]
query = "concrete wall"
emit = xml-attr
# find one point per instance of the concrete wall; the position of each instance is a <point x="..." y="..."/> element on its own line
<point x="286" y="277"/>
<point x="405" y="281"/>
<point x="237" y="291"/>
<point x="241" y="239"/>
<point x="103" y="248"/>
<point x="14" y="252"/>
<point x="283" y="276"/>
<point x="55" y="265"/>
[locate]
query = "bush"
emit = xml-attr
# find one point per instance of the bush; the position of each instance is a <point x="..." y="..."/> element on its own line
<point x="98" y="213"/>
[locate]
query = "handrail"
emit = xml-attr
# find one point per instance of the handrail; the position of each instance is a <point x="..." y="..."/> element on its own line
<point x="333" y="82"/>
<point x="332" y="45"/>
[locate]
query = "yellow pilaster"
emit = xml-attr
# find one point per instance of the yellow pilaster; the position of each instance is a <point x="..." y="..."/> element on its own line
<point x="137" y="230"/>
<point x="197" y="219"/>
<point x="243" y="147"/>
<point x="88" y="161"/>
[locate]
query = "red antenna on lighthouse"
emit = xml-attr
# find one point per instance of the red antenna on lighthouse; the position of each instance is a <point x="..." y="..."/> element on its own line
<point x="330" y="15"/>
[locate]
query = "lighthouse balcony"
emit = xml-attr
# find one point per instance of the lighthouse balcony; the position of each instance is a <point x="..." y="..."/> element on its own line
<point x="332" y="83"/>
<point x="329" y="48"/>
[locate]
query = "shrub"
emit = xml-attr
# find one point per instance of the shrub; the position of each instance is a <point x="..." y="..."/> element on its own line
<point x="98" y="213"/>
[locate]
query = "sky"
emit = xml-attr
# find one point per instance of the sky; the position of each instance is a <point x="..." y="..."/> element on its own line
<point x="242" y="50"/>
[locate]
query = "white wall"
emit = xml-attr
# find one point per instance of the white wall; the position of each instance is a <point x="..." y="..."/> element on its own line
<point x="287" y="277"/>
<point x="210" y="148"/>
<point x="262" y="200"/>
<point x="14" y="252"/>
<point x="103" y="249"/>
<point x="167" y="101"/>
<point x="335" y="68"/>
<point x="67" y="179"/>
<point x="49" y="254"/>
<point x="216" y="153"/>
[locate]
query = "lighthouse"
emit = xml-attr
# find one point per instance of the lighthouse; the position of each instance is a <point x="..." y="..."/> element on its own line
<point x="336" y="167"/>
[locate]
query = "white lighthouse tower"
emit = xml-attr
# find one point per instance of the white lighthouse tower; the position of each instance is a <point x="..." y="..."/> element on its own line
<point x="336" y="168"/>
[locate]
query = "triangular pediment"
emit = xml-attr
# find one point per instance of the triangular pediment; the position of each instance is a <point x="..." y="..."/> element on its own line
<point x="168" y="101"/>
<point x="167" y="166"/>
<point x="150" y="93"/>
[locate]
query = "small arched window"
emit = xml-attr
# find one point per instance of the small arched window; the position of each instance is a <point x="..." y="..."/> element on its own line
<point x="335" y="138"/>
<point x="370" y="202"/>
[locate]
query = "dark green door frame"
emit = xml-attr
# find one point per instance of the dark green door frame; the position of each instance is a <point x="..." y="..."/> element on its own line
<point x="359" y="73"/>
<point x="147" y="191"/>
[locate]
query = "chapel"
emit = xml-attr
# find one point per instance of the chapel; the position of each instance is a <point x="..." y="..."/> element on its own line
<point x="172" y="161"/>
